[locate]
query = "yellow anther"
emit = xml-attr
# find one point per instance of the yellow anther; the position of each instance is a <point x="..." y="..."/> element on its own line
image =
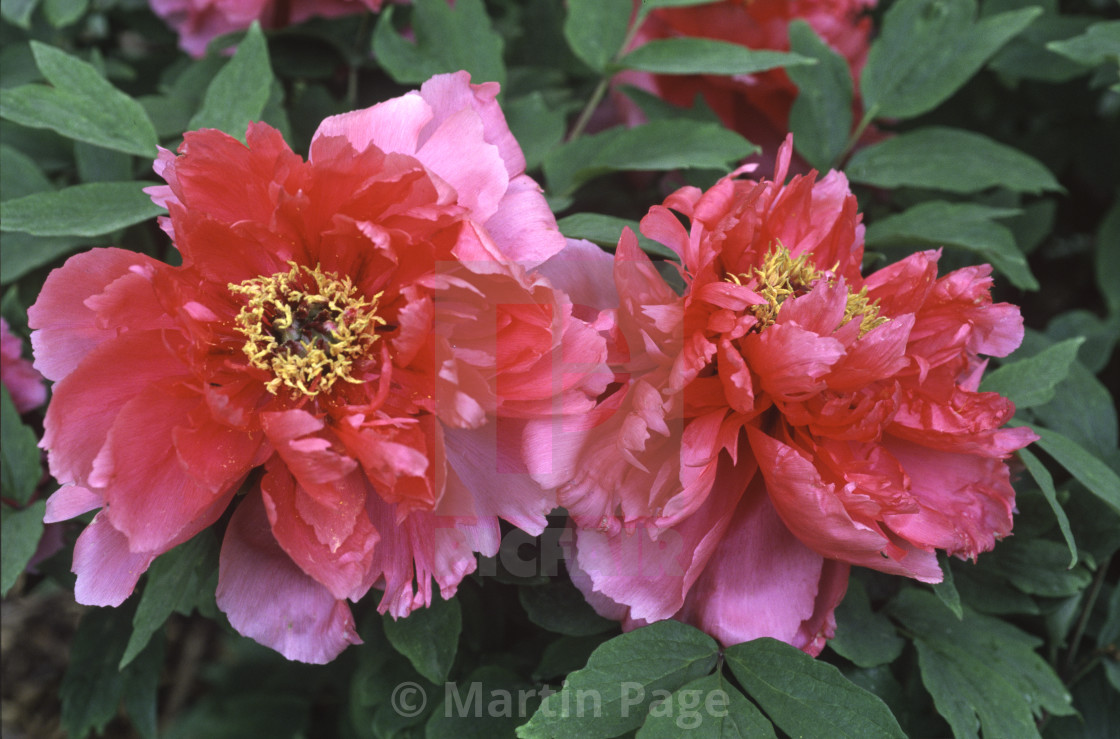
<point x="305" y="326"/>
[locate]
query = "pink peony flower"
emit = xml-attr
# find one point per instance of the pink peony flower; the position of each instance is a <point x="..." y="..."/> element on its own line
<point x="198" y="22"/>
<point x="755" y="105"/>
<point x="787" y="417"/>
<point x="349" y="354"/>
<point x="25" y="385"/>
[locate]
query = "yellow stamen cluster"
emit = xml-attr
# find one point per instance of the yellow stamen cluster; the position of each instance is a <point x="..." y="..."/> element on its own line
<point x="782" y="276"/>
<point x="305" y="326"/>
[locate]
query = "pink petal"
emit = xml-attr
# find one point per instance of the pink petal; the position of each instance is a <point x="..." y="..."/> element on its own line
<point x="523" y="226"/>
<point x="449" y="93"/>
<point x="391" y="126"/>
<point x="458" y="153"/>
<point x="762" y="581"/>
<point x="107" y="569"/>
<point x="268" y="599"/>
<point x="70" y="501"/>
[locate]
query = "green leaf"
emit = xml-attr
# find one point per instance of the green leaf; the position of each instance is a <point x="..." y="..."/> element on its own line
<point x="448" y="39"/>
<point x="613" y="693"/>
<point x="536" y="127"/>
<point x="805" y="697"/>
<point x="61" y="13"/>
<point x="81" y="105"/>
<point x="92" y="686"/>
<point x="983" y="673"/>
<point x="658" y="145"/>
<point x="1037" y="567"/>
<point x="821" y="117"/>
<point x="961" y="225"/>
<point x="19" y="174"/>
<point x="946" y="590"/>
<point x="429" y="637"/>
<point x="82" y="210"/>
<point x="141" y="688"/>
<point x="707" y="707"/>
<point x="1092" y="472"/>
<point x="705" y="56"/>
<point x="23" y="252"/>
<point x="18" y="12"/>
<point x="20" y="531"/>
<point x="927" y="49"/>
<point x="19" y="452"/>
<point x="1099" y="43"/>
<point x="1101" y="336"/>
<point x="863" y="637"/>
<point x="561" y="608"/>
<point x="596" y="29"/>
<point x="1107" y="258"/>
<point x="948" y="159"/>
<point x="606" y="230"/>
<point x="97" y="164"/>
<point x="237" y="94"/>
<point x="1045" y="482"/>
<point x="1030" y="382"/>
<point x="566" y="654"/>
<point x="648" y="5"/>
<point x="173" y="581"/>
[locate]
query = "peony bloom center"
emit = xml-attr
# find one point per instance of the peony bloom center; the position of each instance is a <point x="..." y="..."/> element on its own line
<point x="782" y="276"/>
<point x="307" y="327"/>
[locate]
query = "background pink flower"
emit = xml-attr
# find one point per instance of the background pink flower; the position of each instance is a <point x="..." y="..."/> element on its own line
<point x="26" y="386"/>
<point x="351" y="351"/>
<point x="200" y="21"/>
<point x="786" y="417"/>
<point x="755" y="105"/>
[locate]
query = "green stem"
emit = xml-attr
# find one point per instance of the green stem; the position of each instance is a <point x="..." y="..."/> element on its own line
<point x="863" y="124"/>
<point x="1082" y="622"/>
<point x="604" y="82"/>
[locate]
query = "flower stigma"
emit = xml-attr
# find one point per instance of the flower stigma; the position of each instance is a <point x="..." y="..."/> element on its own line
<point x="306" y="326"/>
<point x="782" y="276"/>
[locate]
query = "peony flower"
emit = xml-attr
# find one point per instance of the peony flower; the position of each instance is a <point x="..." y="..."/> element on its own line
<point x="348" y="357"/>
<point x="25" y="385"/>
<point x="198" y="22"/>
<point x="786" y="417"/>
<point x="755" y="105"/>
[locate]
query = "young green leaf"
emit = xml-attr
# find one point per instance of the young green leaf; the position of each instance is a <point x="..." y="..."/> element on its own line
<point x="429" y="637"/>
<point x="80" y="104"/>
<point x="448" y="38"/>
<point x="596" y="29"/>
<point x="928" y="49"/>
<point x="82" y="210"/>
<point x="960" y="225"/>
<point x="19" y="174"/>
<point x="1092" y="472"/>
<point x="821" y="116"/>
<point x="1030" y="382"/>
<point x="20" y="531"/>
<point x="237" y="94"/>
<point x="21" y="468"/>
<point x="1037" y="567"/>
<point x="707" y="707"/>
<point x="948" y="159"/>
<point x="982" y="672"/>
<point x="705" y="56"/>
<point x="805" y="697"/>
<point x="613" y="693"/>
<point x="946" y="590"/>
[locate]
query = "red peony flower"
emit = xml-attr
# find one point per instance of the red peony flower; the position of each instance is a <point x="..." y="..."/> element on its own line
<point x="350" y="352"/>
<point x="755" y="105"/>
<point x="198" y="22"/>
<point x="787" y="417"/>
<point x="25" y="385"/>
